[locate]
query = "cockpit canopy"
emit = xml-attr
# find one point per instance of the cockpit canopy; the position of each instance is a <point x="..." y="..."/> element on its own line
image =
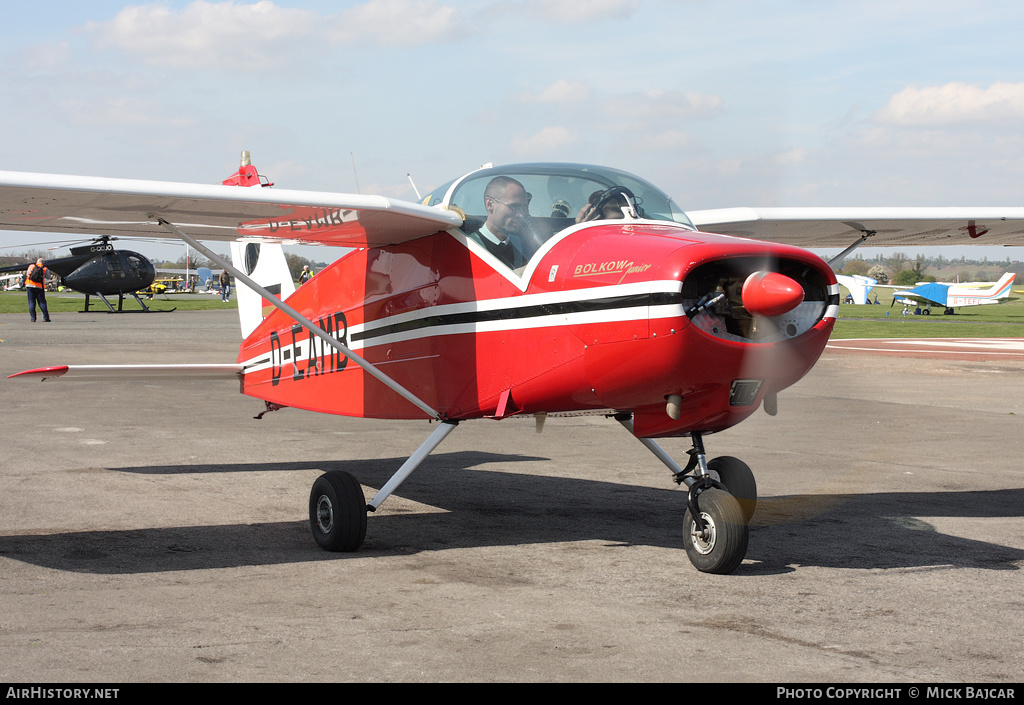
<point x="557" y="195"/>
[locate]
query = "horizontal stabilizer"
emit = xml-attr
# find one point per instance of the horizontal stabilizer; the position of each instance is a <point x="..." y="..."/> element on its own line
<point x="109" y="372"/>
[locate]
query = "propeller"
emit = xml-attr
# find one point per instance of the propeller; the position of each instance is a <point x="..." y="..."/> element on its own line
<point x="770" y="294"/>
<point x="765" y="295"/>
<point x="751" y="299"/>
<point x="767" y="302"/>
<point x="102" y="239"/>
<point x="59" y="243"/>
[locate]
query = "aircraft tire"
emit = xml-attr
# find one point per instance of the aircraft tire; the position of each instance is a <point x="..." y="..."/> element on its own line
<point x="739" y="480"/>
<point x="337" y="512"/>
<point x="725" y="548"/>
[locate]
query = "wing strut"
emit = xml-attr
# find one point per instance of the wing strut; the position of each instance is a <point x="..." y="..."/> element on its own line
<point x="303" y="321"/>
<point x="865" y="234"/>
<point x="435" y="438"/>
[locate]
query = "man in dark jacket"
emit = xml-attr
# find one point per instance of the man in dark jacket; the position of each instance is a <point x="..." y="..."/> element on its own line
<point x="225" y="286"/>
<point x="35" y="285"/>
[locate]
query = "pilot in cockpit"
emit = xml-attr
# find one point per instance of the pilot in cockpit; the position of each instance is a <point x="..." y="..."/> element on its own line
<point x="604" y="205"/>
<point x="508" y="221"/>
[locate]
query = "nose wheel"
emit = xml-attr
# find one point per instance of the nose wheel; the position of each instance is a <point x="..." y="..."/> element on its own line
<point x="721" y="500"/>
<point x="718" y="542"/>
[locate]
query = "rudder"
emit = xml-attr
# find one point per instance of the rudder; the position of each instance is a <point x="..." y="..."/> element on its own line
<point x="266" y="265"/>
<point x="263" y="262"/>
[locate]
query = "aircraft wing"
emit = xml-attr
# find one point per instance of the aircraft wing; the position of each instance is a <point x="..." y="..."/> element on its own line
<point x="936" y="294"/>
<point x="88" y="206"/>
<point x="885" y="227"/>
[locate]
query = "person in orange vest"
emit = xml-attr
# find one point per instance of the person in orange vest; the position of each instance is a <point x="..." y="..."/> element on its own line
<point x="35" y="285"/>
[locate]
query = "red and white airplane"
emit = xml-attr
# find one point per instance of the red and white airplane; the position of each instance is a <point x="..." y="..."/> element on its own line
<point x="612" y="300"/>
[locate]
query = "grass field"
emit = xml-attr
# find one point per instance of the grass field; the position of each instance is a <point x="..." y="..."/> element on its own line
<point x="17" y="302"/>
<point x="885" y="321"/>
<point x="868" y="321"/>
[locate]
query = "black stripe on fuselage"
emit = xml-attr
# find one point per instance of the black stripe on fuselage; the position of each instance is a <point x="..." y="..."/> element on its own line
<point x="522" y="312"/>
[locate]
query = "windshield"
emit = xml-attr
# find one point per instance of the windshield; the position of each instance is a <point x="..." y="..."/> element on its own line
<point x="559" y="191"/>
<point x="556" y="197"/>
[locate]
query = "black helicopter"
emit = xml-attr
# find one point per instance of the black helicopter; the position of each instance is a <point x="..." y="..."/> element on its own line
<point x="97" y="269"/>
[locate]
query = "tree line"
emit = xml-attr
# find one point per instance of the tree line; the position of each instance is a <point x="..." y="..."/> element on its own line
<point x="196" y="260"/>
<point x="902" y="270"/>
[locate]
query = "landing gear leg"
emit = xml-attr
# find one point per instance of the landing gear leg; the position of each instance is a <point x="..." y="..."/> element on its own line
<point x="338" y="507"/>
<point x="144" y="307"/>
<point x="715" y="531"/>
<point x="107" y="303"/>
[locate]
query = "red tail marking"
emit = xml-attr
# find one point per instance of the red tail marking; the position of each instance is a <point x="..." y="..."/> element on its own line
<point x="55" y="371"/>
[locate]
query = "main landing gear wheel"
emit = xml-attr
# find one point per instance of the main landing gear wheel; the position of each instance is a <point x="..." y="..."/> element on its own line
<point x="739" y="480"/>
<point x="721" y="546"/>
<point x="337" y="512"/>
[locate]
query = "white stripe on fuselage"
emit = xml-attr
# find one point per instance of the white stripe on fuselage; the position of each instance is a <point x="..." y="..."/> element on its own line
<point x="300" y="348"/>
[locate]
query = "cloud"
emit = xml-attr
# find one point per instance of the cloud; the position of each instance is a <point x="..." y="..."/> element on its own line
<point x="954" y="103"/>
<point x="546" y="141"/>
<point x="122" y="112"/>
<point x="664" y="141"/>
<point x="648" y="111"/>
<point x="660" y="107"/>
<point x="575" y="12"/>
<point x="204" y="34"/>
<point x="636" y="122"/>
<point x="561" y="91"/>
<point x="793" y="157"/>
<point x="44" y="58"/>
<point x="398" y="22"/>
<point x="258" y="35"/>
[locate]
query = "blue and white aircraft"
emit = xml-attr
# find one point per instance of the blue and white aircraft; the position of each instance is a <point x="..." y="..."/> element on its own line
<point x="951" y="296"/>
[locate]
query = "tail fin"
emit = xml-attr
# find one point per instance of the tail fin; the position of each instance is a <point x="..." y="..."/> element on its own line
<point x="859" y="286"/>
<point x="979" y="293"/>
<point x="1001" y="289"/>
<point x="246" y="174"/>
<point x="264" y="263"/>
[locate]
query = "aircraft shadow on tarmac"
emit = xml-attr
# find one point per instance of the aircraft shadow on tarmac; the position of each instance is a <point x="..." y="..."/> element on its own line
<point x="493" y="508"/>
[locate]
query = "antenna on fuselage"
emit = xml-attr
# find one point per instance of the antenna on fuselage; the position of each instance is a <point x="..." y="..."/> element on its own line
<point x="352" y="154"/>
<point x="416" y="190"/>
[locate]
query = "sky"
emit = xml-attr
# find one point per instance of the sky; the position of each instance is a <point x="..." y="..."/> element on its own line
<point x="724" y="103"/>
